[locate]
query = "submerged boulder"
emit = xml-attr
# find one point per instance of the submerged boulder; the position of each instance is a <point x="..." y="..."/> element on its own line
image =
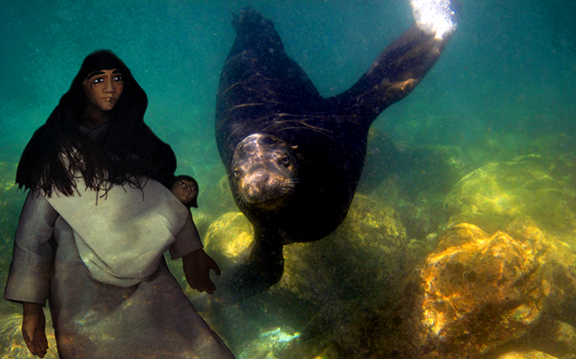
<point x="507" y="292"/>
<point x="327" y="285"/>
<point x="530" y="354"/>
<point x="422" y="176"/>
<point x="479" y="291"/>
<point x="362" y="256"/>
<point x="533" y="186"/>
<point x="482" y="291"/>
<point x="228" y="239"/>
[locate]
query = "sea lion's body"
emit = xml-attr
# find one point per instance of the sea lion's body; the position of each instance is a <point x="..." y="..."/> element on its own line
<point x="263" y="92"/>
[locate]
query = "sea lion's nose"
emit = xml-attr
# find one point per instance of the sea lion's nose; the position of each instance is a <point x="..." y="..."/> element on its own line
<point x="260" y="180"/>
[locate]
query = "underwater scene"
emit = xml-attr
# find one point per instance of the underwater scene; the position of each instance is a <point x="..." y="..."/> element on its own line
<point x="460" y="240"/>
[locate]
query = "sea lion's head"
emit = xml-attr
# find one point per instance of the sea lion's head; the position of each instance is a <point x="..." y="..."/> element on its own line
<point x="263" y="173"/>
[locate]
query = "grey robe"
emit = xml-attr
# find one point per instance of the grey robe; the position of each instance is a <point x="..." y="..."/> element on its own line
<point x="152" y="319"/>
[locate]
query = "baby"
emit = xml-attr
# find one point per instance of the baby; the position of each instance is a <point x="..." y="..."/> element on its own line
<point x="185" y="188"/>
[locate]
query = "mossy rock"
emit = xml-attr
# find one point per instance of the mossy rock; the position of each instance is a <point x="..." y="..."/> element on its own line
<point x="536" y="187"/>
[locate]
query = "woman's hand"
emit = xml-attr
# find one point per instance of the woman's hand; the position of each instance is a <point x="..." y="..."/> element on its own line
<point x="197" y="267"/>
<point x="33" y="329"/>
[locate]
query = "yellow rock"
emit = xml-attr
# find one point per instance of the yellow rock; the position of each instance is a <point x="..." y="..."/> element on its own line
<point x="481" y="290"/>
<point x="532" y="354"/>
<point x="228" y="239"/>
<point x="533" y="186"/>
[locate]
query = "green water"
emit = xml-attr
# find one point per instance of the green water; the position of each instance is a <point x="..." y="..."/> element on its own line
<point x="504" y="87"/>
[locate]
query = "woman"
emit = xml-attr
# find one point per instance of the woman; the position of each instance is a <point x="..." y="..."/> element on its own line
<point x="95" y="225"/>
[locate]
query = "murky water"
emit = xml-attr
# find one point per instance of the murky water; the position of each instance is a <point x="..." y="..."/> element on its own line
<point x="487" y="139"/>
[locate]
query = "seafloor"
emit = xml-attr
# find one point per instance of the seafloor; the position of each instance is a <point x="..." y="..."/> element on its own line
<point x="447" y="252"/>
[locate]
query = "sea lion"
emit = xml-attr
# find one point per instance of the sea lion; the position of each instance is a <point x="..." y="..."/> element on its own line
<point x="293" y="157"/>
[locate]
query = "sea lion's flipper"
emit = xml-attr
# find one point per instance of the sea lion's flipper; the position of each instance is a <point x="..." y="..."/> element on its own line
<point x="396" y="72"/>
<point x="262" y="269"/>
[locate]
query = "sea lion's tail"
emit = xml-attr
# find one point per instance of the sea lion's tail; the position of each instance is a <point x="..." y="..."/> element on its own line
<point x="251" y="24"/>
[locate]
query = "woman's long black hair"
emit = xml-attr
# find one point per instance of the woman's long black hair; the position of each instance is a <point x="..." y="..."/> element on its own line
<point x="124" y="152"/>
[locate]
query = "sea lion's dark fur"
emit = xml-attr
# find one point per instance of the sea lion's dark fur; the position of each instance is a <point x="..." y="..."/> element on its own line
<point x="263" y="91"/>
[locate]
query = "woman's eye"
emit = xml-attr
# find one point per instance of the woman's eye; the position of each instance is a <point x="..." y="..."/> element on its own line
<point x="118" y="78"/>
<point x="98" y="81"/>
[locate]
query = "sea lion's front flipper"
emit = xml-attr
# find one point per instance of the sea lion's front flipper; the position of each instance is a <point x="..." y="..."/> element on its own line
<point x="263" y="268"/>
<point x="395" y="73"/>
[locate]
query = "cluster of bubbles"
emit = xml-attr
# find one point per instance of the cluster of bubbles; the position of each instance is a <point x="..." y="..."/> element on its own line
<point x="434" y="16"/>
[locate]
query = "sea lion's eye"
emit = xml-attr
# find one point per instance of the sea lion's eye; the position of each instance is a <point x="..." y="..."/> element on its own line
<point x="285" y="160"/>
<point x="236" y="173"/>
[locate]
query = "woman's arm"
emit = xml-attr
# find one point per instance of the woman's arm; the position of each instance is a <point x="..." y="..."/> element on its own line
<point x="195" y="262"/>
<point x="197" y="266"/>
<point x="28" y="279"/>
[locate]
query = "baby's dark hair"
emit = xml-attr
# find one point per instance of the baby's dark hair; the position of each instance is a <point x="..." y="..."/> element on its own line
<point x="194" y="202"/>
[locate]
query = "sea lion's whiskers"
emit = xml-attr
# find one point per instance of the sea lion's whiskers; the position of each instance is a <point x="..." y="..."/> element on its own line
<point x="242" y="198"/>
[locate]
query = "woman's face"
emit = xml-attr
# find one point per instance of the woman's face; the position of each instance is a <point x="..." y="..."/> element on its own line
<point x="103" y="89"/>
<point x="184" y="190"/>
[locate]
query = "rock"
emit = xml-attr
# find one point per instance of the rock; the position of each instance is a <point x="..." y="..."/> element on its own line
<point x="326" y="284"/>
<point x="364" y="253"/>
<point x="536" y="187"/>
<point x="531" y="354"/>
<point x="557" y="268"/>
<point x="484" y="291"/>
<point x="479" y="292"/>
<point x="422" y="176"/>
<point x="500" y="147"/>
<point x="269" y="344"/>
<point x="363" y="257"/>
<point x="228" y="239"/>
<point x="423" y="216"/>
<point x="564" y="336"/>
<point x="553" y="337"/>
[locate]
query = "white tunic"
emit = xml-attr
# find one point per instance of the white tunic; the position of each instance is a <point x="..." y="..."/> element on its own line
<point x="122" y="233"/>
<point x="150" y="319"/>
